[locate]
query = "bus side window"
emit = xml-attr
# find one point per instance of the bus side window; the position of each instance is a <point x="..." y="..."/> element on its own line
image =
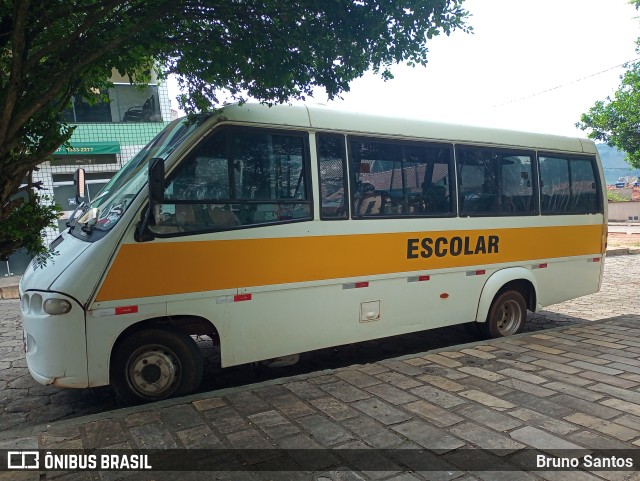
<point x="237" y="177"/>
<point x="495" y="182"/>
<point x="333" y="179"/>
<point x="400" y="179"/>
<point x="569" y="185"/>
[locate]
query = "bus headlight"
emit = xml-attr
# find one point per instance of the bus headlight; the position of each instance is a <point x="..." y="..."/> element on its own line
<point x="56" y="307"/>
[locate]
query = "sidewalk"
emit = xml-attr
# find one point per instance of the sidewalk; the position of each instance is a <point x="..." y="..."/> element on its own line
<point x="573" y="388"/>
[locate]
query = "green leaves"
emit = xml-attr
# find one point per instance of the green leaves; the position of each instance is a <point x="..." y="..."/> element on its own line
<point x="270" y="50"/>
<point x="617" y="120"/>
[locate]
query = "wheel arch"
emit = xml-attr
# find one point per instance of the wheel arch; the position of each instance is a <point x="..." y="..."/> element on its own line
<point x="512" y="278"/>
<point x="189" y="324"/>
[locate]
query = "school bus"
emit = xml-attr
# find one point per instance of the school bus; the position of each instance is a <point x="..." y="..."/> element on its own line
<point x="281" y="230"/>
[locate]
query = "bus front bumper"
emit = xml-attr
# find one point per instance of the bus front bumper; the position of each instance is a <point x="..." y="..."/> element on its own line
<point x="54" y="345"/>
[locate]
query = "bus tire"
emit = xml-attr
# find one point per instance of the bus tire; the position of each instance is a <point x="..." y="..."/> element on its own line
<point x="507" y="315"/>
<point x="155" y="364"/>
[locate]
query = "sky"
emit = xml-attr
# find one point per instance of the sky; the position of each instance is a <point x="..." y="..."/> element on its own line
<point x="532" y="65"/>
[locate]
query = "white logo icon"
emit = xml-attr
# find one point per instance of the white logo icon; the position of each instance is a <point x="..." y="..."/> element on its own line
<point x="23" y="460"/>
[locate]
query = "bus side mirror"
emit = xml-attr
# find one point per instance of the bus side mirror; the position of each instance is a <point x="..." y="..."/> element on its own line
<point x="156" y="181"/>
<point x="156" y="197"/>
<point x="79" y="185"/>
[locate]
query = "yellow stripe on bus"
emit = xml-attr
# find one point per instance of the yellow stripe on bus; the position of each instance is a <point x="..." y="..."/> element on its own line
<point x="163" y="268"/>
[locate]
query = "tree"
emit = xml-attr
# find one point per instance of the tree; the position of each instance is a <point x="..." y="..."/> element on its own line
<point x="616" y="120"/>
<point x="270" y="50"/>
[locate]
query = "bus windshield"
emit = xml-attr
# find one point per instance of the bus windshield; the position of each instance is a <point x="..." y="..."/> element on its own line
<point x="104" y="211"/>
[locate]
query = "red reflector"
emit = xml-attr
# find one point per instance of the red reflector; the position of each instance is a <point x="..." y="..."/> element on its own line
<point x="542" y="266"/>
<point x="424" y="278"/>
<point x="126" y="310"/>
<point x="480" y="272"/>
<point x="444" y="295"/>
<point x="596" y="259"/>
<point x="358" y="285"/>
<point x="242" y="297"/>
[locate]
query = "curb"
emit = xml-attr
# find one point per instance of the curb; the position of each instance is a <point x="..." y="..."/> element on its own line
<point x="9" y="292"/>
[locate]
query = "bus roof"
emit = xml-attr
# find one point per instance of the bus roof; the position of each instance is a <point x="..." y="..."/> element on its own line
<point x="317" y="117"/>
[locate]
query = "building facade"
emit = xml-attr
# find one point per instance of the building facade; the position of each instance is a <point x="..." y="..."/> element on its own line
<point x="106" y="136"/>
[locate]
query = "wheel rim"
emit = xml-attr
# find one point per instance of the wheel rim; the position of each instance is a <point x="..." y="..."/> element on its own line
<point x="509" y="318"/>
<point x="154" y="371"/>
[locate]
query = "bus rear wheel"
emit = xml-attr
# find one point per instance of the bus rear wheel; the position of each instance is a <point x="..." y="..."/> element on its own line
<point x="507" y="315"/>
<point x="155" y="364"/>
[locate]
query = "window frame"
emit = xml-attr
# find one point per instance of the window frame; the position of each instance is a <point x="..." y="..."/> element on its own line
<point x="452" y="189"/>
<point x="535" y="190"/>
<point x="228" y="130"/>
<point x="569" y="157"/>
<point x="345" y="175"/>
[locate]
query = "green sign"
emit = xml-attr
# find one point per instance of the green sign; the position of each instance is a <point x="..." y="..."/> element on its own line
<point x="89" y="148"/>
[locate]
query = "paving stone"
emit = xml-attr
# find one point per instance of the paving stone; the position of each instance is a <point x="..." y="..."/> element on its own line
<point x="143" y="417"/>
<point x="442" y="383"/>
<point x="609" y="428"/>
<point x="566" y="378"/>
<point x="541" y="348"/>
<point x="334" y="408"/>
<point x="592" y="440"/>
<point x="26" y="404"/>
<point x="618" y="366"/>
<point x="305" y="390"/>
<point x="48" y="413"/>
<point x="381" y="411"/>
<point x="623" y="406"/>
<point x="291" y="406"/>
<point x="153" y="436"/>
<point x="181" y="417"/>
<point x="210" y="403"/>
<point x="488" y="387"/>
<point x="556" y="366"/>
<point x="399" y="380"/>
<point x="523" y="376"/>
<point x="542" y="440"/>
<point x="225" y="419"/>
<point x="527" y="387"/>
<point x="273" y="424"/>
<point x="254" y="448"/>
<point x="445" y="372"/>
<point x="487" y="400"/>
<point x="344" y="391"/>
<point x="358" y="379"/>
<point x="325" y="432"/>
<point x="481" y="373"/>
<point x="626" y="395"/>
<point x="438" y="396"/>
<point x="107" y="432"/>
<point x="488" y="417"/>
<point x="402" y="367"/>
<point x="543" y="421"/>
<point x="588" y="407"/>
<point x="246" y="402"/>
<point x="435" y="414"/>
<point x="199" y="437"/>
<point x="485" y="438"/>
<point x="613" y="380"/>
<point x="588" y="366"/>
<point x="523" y="366"/>
<point x="391" y="394"/>
<point x="575" y="391"/>
<point x="522" y="399"/>
<point x="478" y="353"/>
<point x="373" y="433"/>
<point x="425" y="435"/>
<point x="442" y="360"/>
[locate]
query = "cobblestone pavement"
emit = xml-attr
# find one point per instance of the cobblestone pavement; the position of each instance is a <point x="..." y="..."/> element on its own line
<point x="23" y="402"/>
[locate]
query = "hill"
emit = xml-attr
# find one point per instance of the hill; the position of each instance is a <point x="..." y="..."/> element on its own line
<point x="614" y="165"/>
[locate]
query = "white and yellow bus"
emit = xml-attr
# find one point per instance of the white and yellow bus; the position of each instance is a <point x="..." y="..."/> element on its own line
<point x="281" y="230"/>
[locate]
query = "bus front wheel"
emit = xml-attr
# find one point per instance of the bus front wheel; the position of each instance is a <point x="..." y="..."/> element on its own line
<point x="155" y="364"/>
<point x="507" y="315"/>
